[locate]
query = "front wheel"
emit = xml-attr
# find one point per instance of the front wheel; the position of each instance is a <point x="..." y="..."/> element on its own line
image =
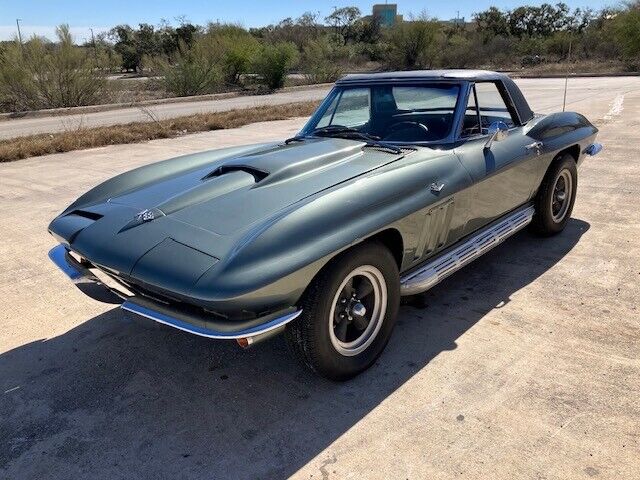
<point x="348" y="313"/>
<point x="556" y="196"/>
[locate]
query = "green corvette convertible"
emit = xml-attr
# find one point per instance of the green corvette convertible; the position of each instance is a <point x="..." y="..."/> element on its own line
<point x="397" y="180"/>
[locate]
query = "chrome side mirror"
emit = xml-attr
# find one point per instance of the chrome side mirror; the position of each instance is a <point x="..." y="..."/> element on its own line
<point x="498" y="131"/>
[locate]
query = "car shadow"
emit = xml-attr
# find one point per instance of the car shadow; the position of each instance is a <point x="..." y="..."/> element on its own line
<point x="113" y="398"/>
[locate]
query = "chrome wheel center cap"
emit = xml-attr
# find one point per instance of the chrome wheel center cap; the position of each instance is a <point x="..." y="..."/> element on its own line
<point x="358" y="310"/>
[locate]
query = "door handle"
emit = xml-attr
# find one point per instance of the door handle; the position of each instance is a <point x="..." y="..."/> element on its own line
<point x="537" y="146"/>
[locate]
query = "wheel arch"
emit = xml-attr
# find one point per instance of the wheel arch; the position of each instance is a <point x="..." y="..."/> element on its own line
<point x="392" y="239"/>
<point x="573" y="150"/>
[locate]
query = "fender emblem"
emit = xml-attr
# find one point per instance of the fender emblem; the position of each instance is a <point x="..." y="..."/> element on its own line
<point x="436" y="187"/>
<point x="145" y="216"/>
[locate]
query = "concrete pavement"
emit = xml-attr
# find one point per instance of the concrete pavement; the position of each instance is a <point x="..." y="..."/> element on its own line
<point x="524" y="365"/>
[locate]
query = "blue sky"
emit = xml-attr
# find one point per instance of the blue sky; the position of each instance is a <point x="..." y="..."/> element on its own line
<point x="41" y="16"/>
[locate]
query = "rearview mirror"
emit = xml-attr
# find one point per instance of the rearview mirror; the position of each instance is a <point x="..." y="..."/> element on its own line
<point x="498" y="131"/>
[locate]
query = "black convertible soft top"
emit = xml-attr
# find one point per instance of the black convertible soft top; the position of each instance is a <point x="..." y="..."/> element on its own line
<point x="519" y="102"/>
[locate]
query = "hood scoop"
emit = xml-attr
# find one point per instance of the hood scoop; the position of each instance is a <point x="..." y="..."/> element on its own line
<point x="228" y="179"/>
<point x="257" y="174"/>
<point x="220" y="182"/>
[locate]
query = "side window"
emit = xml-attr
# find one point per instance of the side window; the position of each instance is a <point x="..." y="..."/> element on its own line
<point x="470" y="124"/>
<point x="329" y="113"/>
<point x="492" y="105"/>
<point x="350" y="109"/>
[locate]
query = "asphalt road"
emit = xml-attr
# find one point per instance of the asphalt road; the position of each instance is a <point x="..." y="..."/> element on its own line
<point x="28" y="126"/>
<point x="524" y="365"/>
<point x="545" y="94"/>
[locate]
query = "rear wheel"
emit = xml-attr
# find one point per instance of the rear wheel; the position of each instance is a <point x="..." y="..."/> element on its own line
<point x="348" y="313"/>
<point x="556" y="196"/>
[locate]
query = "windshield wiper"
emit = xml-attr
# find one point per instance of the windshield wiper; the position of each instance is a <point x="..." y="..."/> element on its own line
<point x="383" y="145"/>
<point x="297" y="138"/>
<point x="353" y="134"/>
<point x="334" y="131"/>
<point x="340" y="131"/>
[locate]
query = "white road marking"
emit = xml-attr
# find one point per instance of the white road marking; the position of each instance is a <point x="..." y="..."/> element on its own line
<point x="616" y="107"/>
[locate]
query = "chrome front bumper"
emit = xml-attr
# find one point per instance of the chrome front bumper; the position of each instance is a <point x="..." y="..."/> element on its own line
<point x="188" y="321"/>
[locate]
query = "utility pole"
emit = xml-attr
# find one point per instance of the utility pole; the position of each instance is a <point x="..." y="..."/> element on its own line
<point x="566" y="78"/>
<point x="95" y="51"/>
<point x="19" y="34"/>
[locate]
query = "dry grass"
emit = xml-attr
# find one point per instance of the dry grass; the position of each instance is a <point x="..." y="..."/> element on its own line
<point x="581" y="66"/>
<point x="78" y="139"/>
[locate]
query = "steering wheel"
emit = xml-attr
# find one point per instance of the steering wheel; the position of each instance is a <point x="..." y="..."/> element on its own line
<point x="406" y="125"/>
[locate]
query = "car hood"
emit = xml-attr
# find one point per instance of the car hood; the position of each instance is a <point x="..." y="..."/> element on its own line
<point x="232" y="194"/>
<point x="197" y="217"/>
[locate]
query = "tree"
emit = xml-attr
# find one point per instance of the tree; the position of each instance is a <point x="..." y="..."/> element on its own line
<point x="343" y="20"/>
<point x="369" y="30"/>
<point x="492" y="21"/>
<point x="298" y="31"/>
<point x="238" y="49"/>
<point x="413" y="44"/>
<point x="125" y="46"/>
<point x="133" y="45"/>
<point x="626" y="25"/>
<point x="194" y="71"/>
<point x="322" y="60"/>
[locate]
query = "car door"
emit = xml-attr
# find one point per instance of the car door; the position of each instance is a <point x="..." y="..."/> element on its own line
<point x="505" y="173"/>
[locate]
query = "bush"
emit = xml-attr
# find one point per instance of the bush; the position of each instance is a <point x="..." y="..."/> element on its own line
<point x="459" y="52"/>
<point x="273" y="62"/>
<point x="43" y="75"/>
<point x="322" y="60"/>
<point x="236" y="48"/>
<point x="413" y="45"/>
<point x="558" y="45"/>
<point x="194" y="71"/>
<point x="627" y="31"/>
<point x="238" y="55"/>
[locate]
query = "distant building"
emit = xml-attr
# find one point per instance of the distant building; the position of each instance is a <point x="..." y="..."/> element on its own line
<point x="457" y="21"/>
<point x="387" y="13"/>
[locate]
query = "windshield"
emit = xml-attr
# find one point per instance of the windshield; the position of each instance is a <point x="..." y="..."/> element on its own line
<point x="401" y="113"/>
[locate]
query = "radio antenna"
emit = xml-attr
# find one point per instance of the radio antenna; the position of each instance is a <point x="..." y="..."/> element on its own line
<point x="566" y="78"/>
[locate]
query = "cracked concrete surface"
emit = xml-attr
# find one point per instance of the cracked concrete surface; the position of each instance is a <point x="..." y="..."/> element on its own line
<point x="526" y="364"/>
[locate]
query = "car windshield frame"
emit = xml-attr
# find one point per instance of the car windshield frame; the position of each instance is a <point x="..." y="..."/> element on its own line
<point x="338" y="89"/>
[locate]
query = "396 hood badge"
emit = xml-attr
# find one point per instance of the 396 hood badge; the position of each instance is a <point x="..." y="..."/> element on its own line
<point x="145" y="215"/>
<point x="142" y="217"/>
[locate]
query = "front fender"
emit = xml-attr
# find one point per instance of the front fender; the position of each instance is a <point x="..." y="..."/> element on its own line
<point x="277" y="259"/>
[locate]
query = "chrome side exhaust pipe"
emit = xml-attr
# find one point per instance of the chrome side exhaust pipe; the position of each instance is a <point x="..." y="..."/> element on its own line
<point x="246" y="342"/>
<point x="593" y="149"/>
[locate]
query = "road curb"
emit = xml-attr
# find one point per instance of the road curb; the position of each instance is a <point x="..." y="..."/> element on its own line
<point x="55" y="112"/>
<point x="573" y="75"/>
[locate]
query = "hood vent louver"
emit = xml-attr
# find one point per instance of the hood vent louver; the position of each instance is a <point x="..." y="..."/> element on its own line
<point x="83" y="213"/>
<point x="259" y="175"/>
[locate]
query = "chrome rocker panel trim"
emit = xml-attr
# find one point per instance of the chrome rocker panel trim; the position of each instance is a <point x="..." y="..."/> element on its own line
<point x="449" y="262"/>
<point x="78" y="274"/>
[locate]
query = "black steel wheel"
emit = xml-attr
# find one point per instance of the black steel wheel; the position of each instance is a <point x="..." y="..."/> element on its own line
<point x="348" y="313"/>
<point x="556" y="197"/>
